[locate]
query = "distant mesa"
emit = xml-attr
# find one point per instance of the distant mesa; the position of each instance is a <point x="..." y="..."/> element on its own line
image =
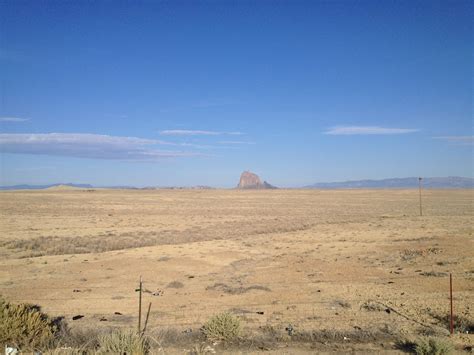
<point x="249" y="180"/>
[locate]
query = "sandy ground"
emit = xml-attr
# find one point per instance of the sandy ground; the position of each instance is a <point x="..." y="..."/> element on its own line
<point x="339" y="260"/>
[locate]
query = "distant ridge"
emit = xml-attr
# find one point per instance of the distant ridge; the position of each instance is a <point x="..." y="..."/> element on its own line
<point x="451" y="182"/>
<point x="70" y="186"/>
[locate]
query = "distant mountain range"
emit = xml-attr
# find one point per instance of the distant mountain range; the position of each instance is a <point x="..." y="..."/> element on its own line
<point x="88" y="186"/>
<point x="451" y="182"/>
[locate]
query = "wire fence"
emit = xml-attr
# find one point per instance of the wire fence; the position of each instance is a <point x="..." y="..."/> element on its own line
<point x="277" y="302"/>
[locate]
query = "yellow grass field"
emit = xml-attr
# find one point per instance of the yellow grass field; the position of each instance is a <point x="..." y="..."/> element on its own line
<point x="344" y="260"/>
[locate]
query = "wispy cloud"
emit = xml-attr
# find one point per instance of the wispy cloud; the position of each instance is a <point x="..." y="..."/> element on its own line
<point x="187" y="132"/>
<point x="364" y="130"/>
<point x="236" y="142"/>
<point x="459" y="140"/>
<point x="13" y="119"/>
<point x="92" y="146"/>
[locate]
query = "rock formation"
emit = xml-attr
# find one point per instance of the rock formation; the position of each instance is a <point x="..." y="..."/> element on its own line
<point x="249" y="180"/>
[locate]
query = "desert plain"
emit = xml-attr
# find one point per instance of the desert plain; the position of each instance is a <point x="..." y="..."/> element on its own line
<point x="343" y="261"/>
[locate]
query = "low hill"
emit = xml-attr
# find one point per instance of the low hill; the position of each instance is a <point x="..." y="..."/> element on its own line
<point x="63" y="187"/>
<point x="42" y="187"/>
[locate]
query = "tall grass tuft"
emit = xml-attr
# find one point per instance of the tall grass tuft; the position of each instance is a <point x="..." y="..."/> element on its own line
<point x="123" y="342"/>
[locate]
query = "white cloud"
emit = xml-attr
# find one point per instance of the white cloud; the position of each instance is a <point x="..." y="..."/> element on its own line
<point x="461" y="140"/>
<point x="363" y="130"/>
<point x="84" y="145"/>
<point x="13" y="119"/>
<point x="187" y="132"/>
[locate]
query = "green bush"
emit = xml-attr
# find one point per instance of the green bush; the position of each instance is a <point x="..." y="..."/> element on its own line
<point x="432" y="346"/>
<point x="222" y="327"/>
<point x="25" y="326"/>
<point x="123" y="342"/>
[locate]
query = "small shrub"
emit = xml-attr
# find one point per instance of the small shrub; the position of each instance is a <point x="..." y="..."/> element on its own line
<point x="25" y="326"/>
<point x="462" y="323"/>
<point x="123" y="342"/>
<point x="372" y="306"/>
<point x="236" y="290"/>
<point x="342" y="303"/>
<point x="175" y="284"/>
<point x="432" y="346"/>
<point x="405" y="345"/>
<point x="223" y="326"/>
<point x="433" y="274"/>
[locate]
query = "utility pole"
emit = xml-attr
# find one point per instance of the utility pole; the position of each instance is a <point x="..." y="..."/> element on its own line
<point x="419" y="188"/>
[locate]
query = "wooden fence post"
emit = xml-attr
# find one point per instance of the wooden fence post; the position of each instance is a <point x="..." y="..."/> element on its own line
<point x="451" y="315"/>
<point x="140" y="307"/>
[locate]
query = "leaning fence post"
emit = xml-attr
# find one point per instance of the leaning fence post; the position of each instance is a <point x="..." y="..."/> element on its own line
<point x="146" y="319"/>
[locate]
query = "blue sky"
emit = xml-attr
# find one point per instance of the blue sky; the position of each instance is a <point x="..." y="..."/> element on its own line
<point x="189" y="92"/>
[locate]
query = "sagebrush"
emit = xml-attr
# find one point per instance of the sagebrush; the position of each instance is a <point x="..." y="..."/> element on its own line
<point x="432" y="346"/>
<point x="25" y="326"/>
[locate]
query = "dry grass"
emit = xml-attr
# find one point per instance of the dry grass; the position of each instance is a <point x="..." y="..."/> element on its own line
<point x="55" y="245"/>
<point x="272" y="257"/>
<point x="221" y="333"/>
